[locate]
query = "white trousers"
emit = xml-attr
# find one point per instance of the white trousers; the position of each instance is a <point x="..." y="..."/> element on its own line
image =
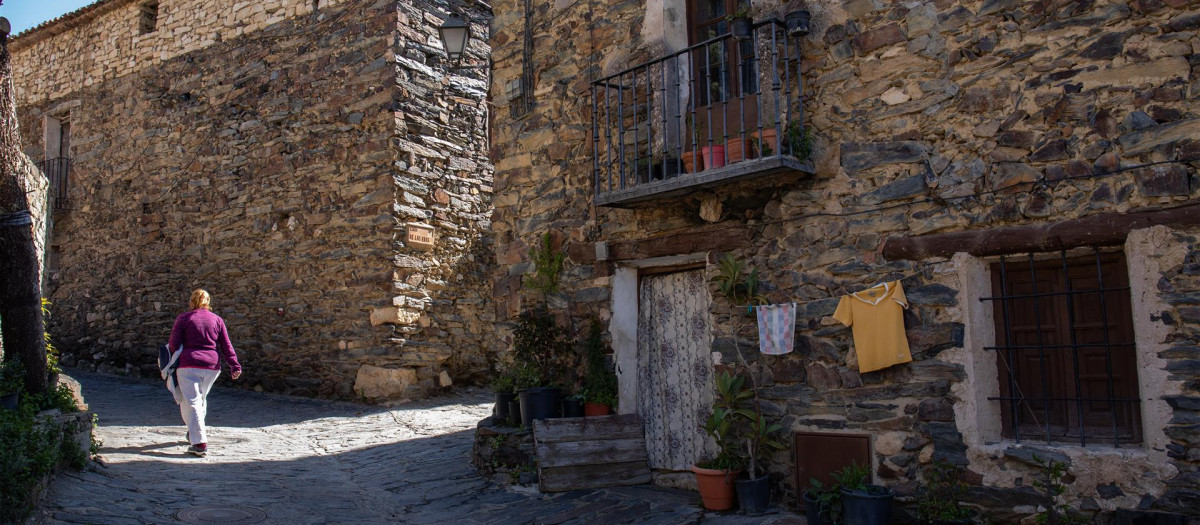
<point x="194" y="384"/>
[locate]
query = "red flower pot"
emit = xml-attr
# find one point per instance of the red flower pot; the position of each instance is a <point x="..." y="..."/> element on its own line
<point x="596" y="409"/>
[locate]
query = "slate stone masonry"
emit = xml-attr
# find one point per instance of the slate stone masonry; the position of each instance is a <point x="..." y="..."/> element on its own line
<point x="929" y="117"/>
<point x="276" y="155"/>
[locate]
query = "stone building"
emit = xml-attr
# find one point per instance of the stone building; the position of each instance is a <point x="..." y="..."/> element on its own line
<point x="996" y="157"/>
<point x="318" y="165"/>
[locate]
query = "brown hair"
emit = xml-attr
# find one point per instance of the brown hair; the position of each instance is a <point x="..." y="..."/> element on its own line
<point x="200" y="299"/>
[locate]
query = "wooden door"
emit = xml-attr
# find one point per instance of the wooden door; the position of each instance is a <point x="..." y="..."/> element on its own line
<point x="675" y="371"/>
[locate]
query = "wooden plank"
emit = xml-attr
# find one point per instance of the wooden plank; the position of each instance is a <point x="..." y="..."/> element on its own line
<point x="1100" y="229"/>
<point x="623" y="426"/>
<point x="562" y="479"/>
<point x="693" y="242"/>
<point x="593" y="452"/>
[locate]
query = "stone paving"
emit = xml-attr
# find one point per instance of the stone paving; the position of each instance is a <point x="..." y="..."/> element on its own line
<point x="307" y="461"/>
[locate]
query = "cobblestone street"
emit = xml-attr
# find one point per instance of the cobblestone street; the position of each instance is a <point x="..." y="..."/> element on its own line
<point x="313" y="461"/>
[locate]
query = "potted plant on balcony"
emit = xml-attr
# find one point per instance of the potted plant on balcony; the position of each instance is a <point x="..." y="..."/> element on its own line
<point x="762" y="143"/>
<point x="740" y="25"/>
<point x="715" y="476"/>
<point x="939" y="503"/>
<point x="863" y="503"/>
<point x="799" y="140"/>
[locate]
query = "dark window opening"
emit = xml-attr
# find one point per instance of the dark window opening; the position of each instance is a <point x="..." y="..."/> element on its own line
<point x="148" y="17"/>
<point x="1065" y="349"/>
<point x="723" y="69"/>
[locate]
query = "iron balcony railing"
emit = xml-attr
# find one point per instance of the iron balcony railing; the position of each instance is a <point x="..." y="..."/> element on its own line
<point x="59" y="172"/>
<point x="726" y="108"/>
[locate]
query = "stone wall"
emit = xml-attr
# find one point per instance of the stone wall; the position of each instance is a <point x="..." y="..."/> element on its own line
<point x="930" y="117"/>
<point x="277" y="165"/>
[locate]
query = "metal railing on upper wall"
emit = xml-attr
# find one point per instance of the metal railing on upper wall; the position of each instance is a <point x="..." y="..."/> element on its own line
<point x="59" y="172"/>
<point x="721" y="109"/>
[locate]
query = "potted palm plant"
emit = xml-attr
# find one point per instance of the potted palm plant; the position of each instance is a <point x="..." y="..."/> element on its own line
<point x="759" y="441"/>
<point x="715" y="476"/>
<point x="863" y="503"/>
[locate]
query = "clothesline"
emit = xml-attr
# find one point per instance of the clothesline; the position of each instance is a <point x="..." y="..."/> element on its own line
<point x="921" y="269"/>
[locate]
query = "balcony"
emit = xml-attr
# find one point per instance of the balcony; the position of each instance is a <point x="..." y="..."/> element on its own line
<point x="59" y="172"/>
<point x="725" y="110"/>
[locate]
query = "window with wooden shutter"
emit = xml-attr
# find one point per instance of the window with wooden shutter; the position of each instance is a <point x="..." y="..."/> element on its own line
<point x="1065" y="349"/>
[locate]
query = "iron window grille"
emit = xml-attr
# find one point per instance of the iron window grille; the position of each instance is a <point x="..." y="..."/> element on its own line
<point x="58" y="171"/>
<point x="1065" y="349"/>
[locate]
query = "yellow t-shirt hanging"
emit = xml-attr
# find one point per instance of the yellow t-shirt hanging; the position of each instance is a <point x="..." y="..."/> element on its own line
<point x="876" y="319"/>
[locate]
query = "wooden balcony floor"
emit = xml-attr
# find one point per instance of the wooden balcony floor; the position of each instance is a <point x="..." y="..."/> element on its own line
<point x="686" y="183"/>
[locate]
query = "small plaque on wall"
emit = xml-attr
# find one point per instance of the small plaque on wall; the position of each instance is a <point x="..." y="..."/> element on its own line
<point x="421" y="236"/>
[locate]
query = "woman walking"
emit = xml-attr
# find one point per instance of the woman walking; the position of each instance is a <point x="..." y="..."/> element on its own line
<point x="205" y="343"/>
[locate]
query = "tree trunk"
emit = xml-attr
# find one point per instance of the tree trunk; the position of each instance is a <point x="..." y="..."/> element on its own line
<point x="21" y="324"/>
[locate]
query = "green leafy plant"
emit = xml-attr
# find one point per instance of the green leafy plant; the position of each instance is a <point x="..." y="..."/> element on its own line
<point x="1053" y="485"/>
<point x="799" y="139"/>
<point x="600" y="382"/>
<point x="31" y="447"/>
<point x="731" y="402"/>
<point x="51" y="352"/>
<point x="759" y="441"/>
<point x="940" y="500"/>
<point x="547" y="264"/>
<point x="12" y="377"/>
<point x="503" y="383"/>
<point x="742" y="11"/>
<point x="828" y="498"/>
<point x="853" y="476"/>
<point x="760" y="147"/>
<point x="538" y="347"/>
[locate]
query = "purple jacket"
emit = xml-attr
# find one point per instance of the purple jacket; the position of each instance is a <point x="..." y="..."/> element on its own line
<point x="205" y="341"/>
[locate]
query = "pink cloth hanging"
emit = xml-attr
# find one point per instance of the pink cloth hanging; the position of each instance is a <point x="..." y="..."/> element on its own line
<point x="776" y="328"/>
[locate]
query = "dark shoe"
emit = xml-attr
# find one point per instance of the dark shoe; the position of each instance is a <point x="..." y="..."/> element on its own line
<point x="200" y="450"/>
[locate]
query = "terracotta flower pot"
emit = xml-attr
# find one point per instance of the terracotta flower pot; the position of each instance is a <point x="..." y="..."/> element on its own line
<point x="714" y="157"/>
<point x="596" y="409"/>
<point x="693" y="162"/>
<point x="716" y="487"/>
<point x="766" y="137"/>
<point x="735" y="150"/>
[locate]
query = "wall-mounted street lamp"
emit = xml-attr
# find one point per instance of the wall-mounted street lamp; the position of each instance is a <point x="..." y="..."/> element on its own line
<point x="455" y="34"/>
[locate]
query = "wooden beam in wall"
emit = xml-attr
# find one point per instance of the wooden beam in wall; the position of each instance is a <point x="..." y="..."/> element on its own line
<point x="717" y="240"/>
<point x="1101" y="229"/>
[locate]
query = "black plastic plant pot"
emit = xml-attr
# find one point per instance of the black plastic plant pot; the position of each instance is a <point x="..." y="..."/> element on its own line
<point x="514" y="412"/>
<point x="538" y="403"/>
<point x="740" y="27"/>
<point x="814" y="513"/>
<point x="10" y="401"/>
<point x="798" y="22"/>
<point x="502" y="399"/>
<point x="572" y="407"/>
<point x="867" y="507"/>
<point x="753" y="495"/>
